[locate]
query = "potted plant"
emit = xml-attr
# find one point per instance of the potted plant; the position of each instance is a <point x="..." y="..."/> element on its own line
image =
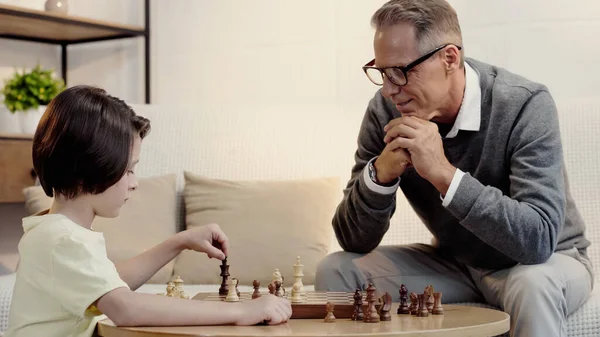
<point x="27" y="94"/>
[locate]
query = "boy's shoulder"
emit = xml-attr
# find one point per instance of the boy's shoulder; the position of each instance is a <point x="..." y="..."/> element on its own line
<point x="50" y="230"/>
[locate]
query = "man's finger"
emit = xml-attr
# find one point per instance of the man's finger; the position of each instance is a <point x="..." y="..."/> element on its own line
<point x="400" y="130"/>
<point x="399" y="142"/>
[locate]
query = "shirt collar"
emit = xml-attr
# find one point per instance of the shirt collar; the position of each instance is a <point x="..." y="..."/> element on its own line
<point x="469" y="115"/>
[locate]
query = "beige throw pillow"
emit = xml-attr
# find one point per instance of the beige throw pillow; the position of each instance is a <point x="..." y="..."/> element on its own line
<point x="147" y="219"/>
<point x="268" y="224"/>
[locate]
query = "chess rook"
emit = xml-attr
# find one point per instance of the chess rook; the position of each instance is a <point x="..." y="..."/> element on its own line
<point x="422" y="310"/>
<point x="232" y="295"/>
<point x="437" y="304"/>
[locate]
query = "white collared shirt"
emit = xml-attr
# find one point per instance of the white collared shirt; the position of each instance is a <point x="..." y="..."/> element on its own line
<point x="468" y="119"/>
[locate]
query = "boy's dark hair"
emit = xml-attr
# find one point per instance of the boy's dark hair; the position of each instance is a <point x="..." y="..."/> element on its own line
<point x="83" y="141"/>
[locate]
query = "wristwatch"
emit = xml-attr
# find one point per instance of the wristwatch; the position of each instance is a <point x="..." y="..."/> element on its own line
<point x="373" y="175"/>
<point x="373" y="172"/>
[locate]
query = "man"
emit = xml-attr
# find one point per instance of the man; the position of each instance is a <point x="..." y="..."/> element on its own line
<point x="476" y="150"/>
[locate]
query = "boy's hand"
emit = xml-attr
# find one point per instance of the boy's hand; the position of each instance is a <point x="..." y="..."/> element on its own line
<point x="267" y="308"/>
<point x="208" y="239"/>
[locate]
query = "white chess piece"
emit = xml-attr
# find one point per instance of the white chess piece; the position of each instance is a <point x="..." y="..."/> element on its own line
<point x="298" y="275"/>
<point x="277" y="275"/>
<point x="232" y="294"/>
<point x="296" y="294"/>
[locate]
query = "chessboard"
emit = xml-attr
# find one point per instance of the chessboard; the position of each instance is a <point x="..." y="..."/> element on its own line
<point x="312" y="307"/>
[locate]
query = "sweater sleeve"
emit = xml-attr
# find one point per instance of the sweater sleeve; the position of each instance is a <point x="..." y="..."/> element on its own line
<point x="363" y="216"/>
<point x="525" y="224"/>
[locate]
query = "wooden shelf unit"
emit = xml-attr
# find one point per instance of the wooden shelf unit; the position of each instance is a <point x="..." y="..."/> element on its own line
<point x="46" y="27"/>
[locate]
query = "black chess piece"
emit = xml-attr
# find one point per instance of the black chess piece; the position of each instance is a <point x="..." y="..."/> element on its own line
<point x="278" y="290"/>
<point x="256" y="292"/>
<point x="371" y="316"/>
<point x="358" y="315"/>
<point x="224" y="289"/>
<point x="403" y="308"/>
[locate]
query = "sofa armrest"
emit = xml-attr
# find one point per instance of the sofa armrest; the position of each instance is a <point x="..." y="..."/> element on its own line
<point x="7" y="283"/>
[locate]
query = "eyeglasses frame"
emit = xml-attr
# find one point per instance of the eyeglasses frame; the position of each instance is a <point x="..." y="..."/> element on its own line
<point x="406" y="68"/>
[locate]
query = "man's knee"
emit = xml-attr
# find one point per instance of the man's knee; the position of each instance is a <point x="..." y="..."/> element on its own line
<point x="337" y="272"/>
<point x="533" y="283"/>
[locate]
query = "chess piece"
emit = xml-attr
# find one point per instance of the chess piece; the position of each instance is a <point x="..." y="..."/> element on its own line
<point x="232" y="295"/>
<point x="403" y="307"/>
<point x="437" y="304"/>
<point x="271" y="287"/>
<point x="170" y="289"/>
<point x="422" y="310"/>
<point x="386" y="305"/>
<point x="413" y="304"/>
<point x="371" y="316"/>
<point x="278" y="277"/>
<point x="429" y="298"/>
<point x="298" y="274"/>
<point x="296" y="294"/>
<point x="329" y="318"/>
<point x="278" y="290"/>
<point x="256" y="293"/>
<point x="223" y="290"/>
<point x="178" y="288"/>
<point x="357" y="315"/>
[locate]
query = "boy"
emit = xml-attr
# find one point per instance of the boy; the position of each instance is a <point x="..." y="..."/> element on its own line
<point x="84" y="151"/>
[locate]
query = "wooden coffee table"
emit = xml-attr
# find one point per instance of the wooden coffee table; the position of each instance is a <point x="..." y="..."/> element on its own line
<point x="457" y="321"/>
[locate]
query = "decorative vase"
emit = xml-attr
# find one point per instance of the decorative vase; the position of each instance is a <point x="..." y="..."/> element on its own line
<point x="29" y="119"/>
<point x="9" y="122"/>
<point x="61" y="6"/>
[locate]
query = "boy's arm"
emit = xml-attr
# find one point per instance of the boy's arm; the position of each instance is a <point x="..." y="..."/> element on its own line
<point x="208" y="239"/>
<point x="127" y="308"/>
<point x="139" y="269"/>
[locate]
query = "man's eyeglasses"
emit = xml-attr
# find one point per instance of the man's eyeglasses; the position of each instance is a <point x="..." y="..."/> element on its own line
<point x="397" y="75"/>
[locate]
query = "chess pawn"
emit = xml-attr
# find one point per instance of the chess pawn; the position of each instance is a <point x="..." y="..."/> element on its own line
<point x="403" y="307"/>
<point x="170" y="289"/>
<point x="232" y="295"/>
<point x="413" y="304"/>
<point x="296" y="294"/>
<point x="422" y="310"/>
<point x="437" y="305"/>
<point x="256" y="293"/>
<point x="278" y="290"/>
<point x="271" y="287"/>
<point x="329" y="318"/>
<point x="357" y="315"/>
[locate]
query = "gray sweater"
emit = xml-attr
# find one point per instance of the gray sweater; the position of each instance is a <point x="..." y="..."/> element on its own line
<point x="512" y="206"/>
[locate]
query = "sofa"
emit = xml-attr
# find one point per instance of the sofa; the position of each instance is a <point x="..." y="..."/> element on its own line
<point x="271" y="178"/>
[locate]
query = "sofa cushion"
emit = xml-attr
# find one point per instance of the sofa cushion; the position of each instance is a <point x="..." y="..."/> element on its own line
<point x="147" y="219"/>
<point x="268" y="223"/>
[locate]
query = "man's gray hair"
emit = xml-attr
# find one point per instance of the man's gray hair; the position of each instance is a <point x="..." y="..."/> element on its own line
<point x="435" y="22"/>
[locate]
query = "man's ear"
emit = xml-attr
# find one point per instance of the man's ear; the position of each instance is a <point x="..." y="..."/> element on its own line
<point x="451" y="58"/>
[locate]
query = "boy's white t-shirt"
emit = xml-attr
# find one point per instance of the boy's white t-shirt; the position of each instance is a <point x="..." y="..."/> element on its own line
<point x="63" y="270"/>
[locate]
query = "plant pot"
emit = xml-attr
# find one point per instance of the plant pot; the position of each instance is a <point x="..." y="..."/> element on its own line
<point x="9" y="122"/>
<point x="29" y="119"/>
<point x="57" y="6"/>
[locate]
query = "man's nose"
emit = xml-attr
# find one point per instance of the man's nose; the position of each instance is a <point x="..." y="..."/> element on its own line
<point x="389" y="89"/>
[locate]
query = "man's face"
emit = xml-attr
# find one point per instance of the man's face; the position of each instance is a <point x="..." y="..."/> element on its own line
<point x="428" y="85"/>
